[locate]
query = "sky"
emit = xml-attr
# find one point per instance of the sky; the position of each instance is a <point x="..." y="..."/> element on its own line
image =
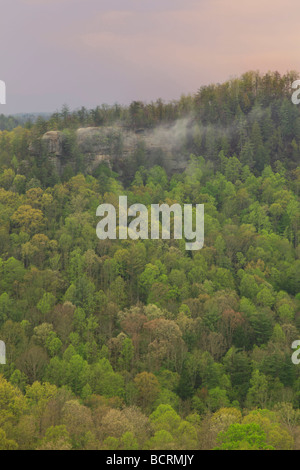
<point x="89" y="52"/>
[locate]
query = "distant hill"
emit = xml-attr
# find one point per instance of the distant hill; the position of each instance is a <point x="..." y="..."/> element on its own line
<point x="8" y="123"/>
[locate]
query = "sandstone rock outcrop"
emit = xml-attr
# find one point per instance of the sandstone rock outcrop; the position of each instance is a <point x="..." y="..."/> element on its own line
<point x="112" y="144"/>
<point x="53" y="140"/>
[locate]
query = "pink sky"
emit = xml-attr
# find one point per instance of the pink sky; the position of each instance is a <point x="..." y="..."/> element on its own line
<point x="88" y="52"/>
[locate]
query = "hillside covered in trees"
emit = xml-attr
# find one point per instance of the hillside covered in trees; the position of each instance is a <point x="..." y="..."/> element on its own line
<point x="123" y="344"/>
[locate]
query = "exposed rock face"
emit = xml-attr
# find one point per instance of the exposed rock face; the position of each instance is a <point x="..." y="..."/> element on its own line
<point x="53" y="140"/>
<point x="113" y="145"/>
<point x="93" y="143"/>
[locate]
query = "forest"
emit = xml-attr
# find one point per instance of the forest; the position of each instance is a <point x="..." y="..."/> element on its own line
<point x="141" y="344"/>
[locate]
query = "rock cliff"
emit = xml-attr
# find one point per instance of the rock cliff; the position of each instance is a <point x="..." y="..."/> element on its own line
<point x="112" y="145"/>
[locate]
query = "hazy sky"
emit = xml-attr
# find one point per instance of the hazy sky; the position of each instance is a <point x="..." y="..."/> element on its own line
<point x="88" y="52"/>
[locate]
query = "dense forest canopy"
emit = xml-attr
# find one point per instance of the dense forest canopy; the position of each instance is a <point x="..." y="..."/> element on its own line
<point x="123" y="344"/>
